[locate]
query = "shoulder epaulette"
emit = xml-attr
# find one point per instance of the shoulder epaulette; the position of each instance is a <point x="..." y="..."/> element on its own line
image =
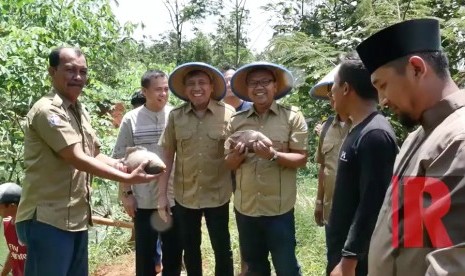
<point x="290" y="107"/>
<point x="179" y="107"/>
<point x="240" y="112"/>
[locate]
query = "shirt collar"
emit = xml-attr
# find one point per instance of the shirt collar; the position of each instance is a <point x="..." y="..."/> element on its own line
<point x="59" y="99"/>
<point x="212" y="106"/>
<point x="273" y="108"/>
<point x="432" y="117"/>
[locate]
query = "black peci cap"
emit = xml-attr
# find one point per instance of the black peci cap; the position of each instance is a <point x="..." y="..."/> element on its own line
<point x="399" y="40"/>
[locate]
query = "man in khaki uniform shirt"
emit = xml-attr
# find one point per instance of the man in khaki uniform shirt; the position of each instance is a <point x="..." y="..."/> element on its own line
<point x="202" y="184"/>
<point x="332" y="133"/>
<point x="413" y="79"/>
<point x="266" y="179"/>
<point x="61" y="153"/>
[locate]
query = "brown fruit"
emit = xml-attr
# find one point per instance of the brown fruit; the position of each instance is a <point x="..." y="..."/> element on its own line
<point x="136" y="155"/>
<point x="248" y="137"/>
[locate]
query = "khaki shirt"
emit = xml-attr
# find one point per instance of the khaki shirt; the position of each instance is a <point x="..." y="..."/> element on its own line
<point x="436" y="149"/>
<point x="54" y="192"/>
<point x="201" y="179"/>
<point x="142" y="127"/>
<point x="263" y="187"/>
<point x="328" y="156"/>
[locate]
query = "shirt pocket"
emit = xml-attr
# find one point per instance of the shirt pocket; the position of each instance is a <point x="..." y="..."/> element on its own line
<point x="216" y="141"/>
<point x="280" y="139"/>
<point x="184" y="141"/>
<point x="327" y="148"/>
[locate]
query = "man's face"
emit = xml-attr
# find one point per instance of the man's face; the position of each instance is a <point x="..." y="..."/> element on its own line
<point x="157" y="93"/>
<point x="261" y="87"/>
<point x="3" y="210"/>
<point x="70" y="76"/>
<point x="227" y="77"/>
<point x="199" y="89"/>
<point x="396" y="91"/>
<point x="339" y="99"/>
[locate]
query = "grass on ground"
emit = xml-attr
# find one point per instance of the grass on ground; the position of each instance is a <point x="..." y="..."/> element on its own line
<point x="311" y="250"/>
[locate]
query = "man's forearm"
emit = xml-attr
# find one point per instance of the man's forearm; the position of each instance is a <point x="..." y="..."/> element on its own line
<point x="107" y="159"/>
<point x="321" y="189"/>
<point x="168" y="159"/>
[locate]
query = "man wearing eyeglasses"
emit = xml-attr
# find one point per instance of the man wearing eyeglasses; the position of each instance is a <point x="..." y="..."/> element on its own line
<point x="265" y="193"/>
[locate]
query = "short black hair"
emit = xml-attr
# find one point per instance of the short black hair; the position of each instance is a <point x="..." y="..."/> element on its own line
<point x="54" y="56"/>
<point x="437" y="60"/>
<point x="226" y="68"/>
<point x="149" y="74"/>
<point x="356" y="75"/>
<point x="260" y="68"/>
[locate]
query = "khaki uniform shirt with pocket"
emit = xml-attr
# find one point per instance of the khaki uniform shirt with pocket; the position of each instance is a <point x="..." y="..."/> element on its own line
<point x="201" y="179"/>
<point x="55" y="192"/>
<point x="263" y="187"/>
<point x="328" y="156"/>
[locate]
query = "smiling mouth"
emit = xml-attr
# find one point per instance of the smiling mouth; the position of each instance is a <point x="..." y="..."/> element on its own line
<point x="197" y="94"/>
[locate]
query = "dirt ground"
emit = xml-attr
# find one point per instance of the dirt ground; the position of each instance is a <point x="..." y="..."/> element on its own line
<point x="122" y="266"/>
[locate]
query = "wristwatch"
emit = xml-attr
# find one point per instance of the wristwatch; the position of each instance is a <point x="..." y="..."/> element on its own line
<point x="275" y="156"/>
<point x="127" y="193"/>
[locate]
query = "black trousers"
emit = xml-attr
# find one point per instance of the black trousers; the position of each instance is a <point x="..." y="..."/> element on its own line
<point x="334" y="255"/>
<point x="146" y="241"/>
<point x="217" y="220"/>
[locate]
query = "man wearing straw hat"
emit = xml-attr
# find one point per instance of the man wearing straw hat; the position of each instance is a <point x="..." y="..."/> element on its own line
<point x="195" y="132"/>
<point x="332" y="134"/>
<point x="265" y="194"/>
<point x="422" y="215"/>
<point x="334" y="131"/>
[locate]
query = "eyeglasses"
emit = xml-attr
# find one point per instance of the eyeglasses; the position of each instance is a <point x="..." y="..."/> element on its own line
<point x="193" y="83"/>
<point x="263" y="83"/>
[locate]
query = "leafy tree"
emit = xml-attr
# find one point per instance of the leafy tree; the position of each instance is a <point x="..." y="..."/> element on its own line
<point x="311" y="42"/>
<point x="28" y="30"/>
<point x="183" y="11"/>
<point x="230" y="40"/>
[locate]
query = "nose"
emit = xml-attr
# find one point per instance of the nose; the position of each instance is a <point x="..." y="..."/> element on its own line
<point x="196" y="86"/>
<point x="383" y="102"/>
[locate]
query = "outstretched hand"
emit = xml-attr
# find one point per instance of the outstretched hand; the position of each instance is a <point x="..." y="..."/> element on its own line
<point x="138" y="175"/>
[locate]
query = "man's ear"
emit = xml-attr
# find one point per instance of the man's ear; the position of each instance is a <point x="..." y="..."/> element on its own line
<point x="51" y="71"/>
<point x="346" y="87"/>
<point x="418" y="65"/>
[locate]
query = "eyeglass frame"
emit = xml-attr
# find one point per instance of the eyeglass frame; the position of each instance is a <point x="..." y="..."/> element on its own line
<point x="262" y="83"/>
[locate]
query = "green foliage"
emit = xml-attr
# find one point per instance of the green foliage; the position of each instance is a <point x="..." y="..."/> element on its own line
<point x="182" y="11"/>
<point x="230" y="40"/>
<point x="311" y="42"/>
<point x="28" y="30"/>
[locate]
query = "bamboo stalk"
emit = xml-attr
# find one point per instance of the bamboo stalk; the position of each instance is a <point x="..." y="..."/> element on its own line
<point x="112" y="222"/>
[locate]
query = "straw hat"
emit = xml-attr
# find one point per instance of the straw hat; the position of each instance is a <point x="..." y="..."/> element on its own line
<point x="323" y="87"/>
<point x="284" y="79"/>
<point x="176" y="79"/>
